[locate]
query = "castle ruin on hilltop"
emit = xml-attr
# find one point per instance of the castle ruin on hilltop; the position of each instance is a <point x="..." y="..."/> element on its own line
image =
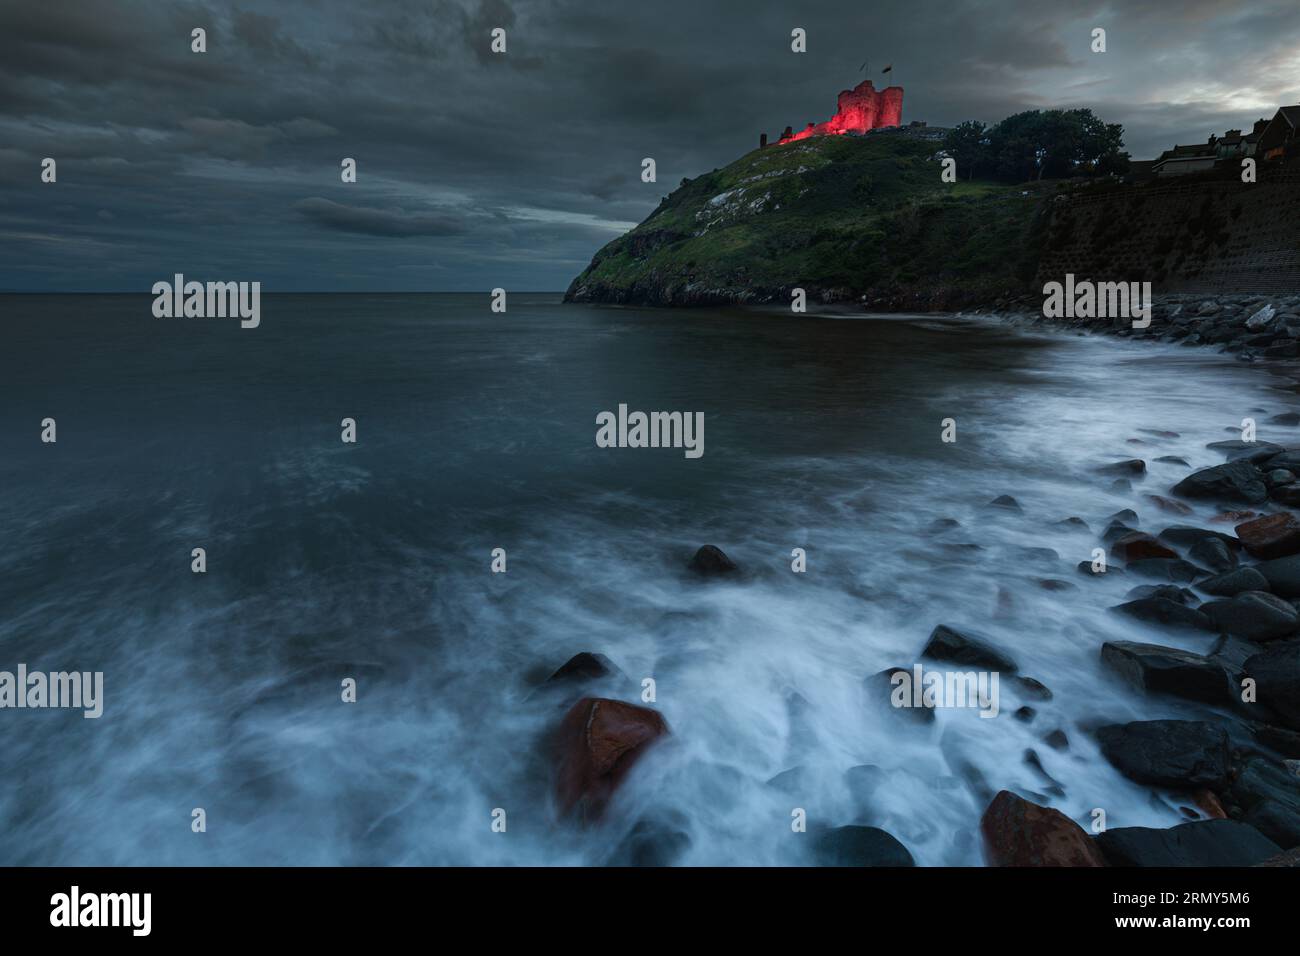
<point x="858" y="110"/>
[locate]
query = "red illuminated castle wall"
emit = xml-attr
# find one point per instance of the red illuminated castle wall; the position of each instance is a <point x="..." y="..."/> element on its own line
<point x="857" y="110"/>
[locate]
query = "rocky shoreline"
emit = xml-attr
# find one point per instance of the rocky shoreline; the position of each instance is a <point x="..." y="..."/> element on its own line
<point x="1254" y="326"/>
<point x="1234" y="770"/>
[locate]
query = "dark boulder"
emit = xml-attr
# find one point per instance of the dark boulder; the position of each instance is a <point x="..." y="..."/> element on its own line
<point x="1233" y="652"/>
<point x="1130" y="466"/>
<point x="880" y="689"/>
<point x="1288" y="495"/>
<point x="1137" y="545"/>
<point x="1254" y="616"/>
<point x="1289" y="460"/>
<point x="1085" y="568"/>
<point x="1166" y="613"/>
<point x="859" y="846"/>
<point x="940" y="525"/>
<point x="1213" y="554"/>
<point x="584" y="666"/>
<point x="1237" y="481"/>
<point x="955" y="647"/>
<point x="710" y="560"/>
<point x="1170" y="592"/>
<point x="1283" y="575"/>
<point x="1055" y="584"/>
<point x="1186" y="536"/>
<point x="1007" y="503"/>
<point x="1276" y="672"/>
<point x="1116" y="530"/>
<point x="1251" y="451"/>
<point x="1234" y="583"/>
<point x="1274" y="738"/>
<point x="1203" y="843"/>
<point x="1266" y="794"/>
<point x="1185" y="754"/>
<point x="1033" y="688"/>
<point x="1165" y="569"/>
<point x="1072" y="523"/>
<point x="1167" y="670"/>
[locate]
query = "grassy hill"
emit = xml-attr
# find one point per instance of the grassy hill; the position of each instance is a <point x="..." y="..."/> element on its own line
<point x="839" y="216"/>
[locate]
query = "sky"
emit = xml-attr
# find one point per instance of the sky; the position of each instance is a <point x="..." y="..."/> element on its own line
<point x="478" y="170"/>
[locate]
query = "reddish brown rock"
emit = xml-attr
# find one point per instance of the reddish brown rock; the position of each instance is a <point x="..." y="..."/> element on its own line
<point x="598" y="742"/>
<point x="1019" y="833"/>
<point x="1209" y="804"/>
<point x="1138" y="545"/>
<point x="1272" y="536"/>
<point x="1169" y="504"/>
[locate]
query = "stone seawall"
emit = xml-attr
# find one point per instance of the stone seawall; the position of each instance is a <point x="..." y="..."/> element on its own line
<point x="1202" y="234"/>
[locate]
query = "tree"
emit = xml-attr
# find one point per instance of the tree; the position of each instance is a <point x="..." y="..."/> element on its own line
<point x="1054" y="143"/>
<point x="1018" y="146"/>
<point x="1113" y="163"/>
<point x="968" y="143"/>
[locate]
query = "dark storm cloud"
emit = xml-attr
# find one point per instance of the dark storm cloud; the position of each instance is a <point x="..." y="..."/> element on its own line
<point x="378" y="222"/>
<point x="477" y="170"/>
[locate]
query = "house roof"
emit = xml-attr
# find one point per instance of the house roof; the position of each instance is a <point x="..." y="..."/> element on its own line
<point x="1195" y="151"/>
<point x="1291" y="114"/>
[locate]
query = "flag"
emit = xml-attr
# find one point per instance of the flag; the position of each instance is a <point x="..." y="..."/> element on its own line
<point x="888" y="68"/>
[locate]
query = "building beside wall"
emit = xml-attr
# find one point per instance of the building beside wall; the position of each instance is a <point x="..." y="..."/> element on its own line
<point x="1267" y="140"/>
<point x="1281" y="138"/>
<point x="1182" y="160"/>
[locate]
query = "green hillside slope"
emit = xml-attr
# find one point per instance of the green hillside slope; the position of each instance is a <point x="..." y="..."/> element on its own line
<point x="839" y="216"/>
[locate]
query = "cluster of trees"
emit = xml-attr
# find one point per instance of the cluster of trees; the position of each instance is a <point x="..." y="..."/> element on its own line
<point x="1037" y="144"/>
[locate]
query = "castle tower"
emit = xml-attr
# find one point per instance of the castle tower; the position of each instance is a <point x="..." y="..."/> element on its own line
<point x="857" y="110"/>
<point x="889" y="111"/>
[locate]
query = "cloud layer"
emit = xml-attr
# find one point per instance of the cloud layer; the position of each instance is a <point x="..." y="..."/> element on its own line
<point x="478" y="170"/>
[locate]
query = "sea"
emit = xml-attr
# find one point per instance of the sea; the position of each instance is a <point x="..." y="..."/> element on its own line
<point x="226" y="738"/>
